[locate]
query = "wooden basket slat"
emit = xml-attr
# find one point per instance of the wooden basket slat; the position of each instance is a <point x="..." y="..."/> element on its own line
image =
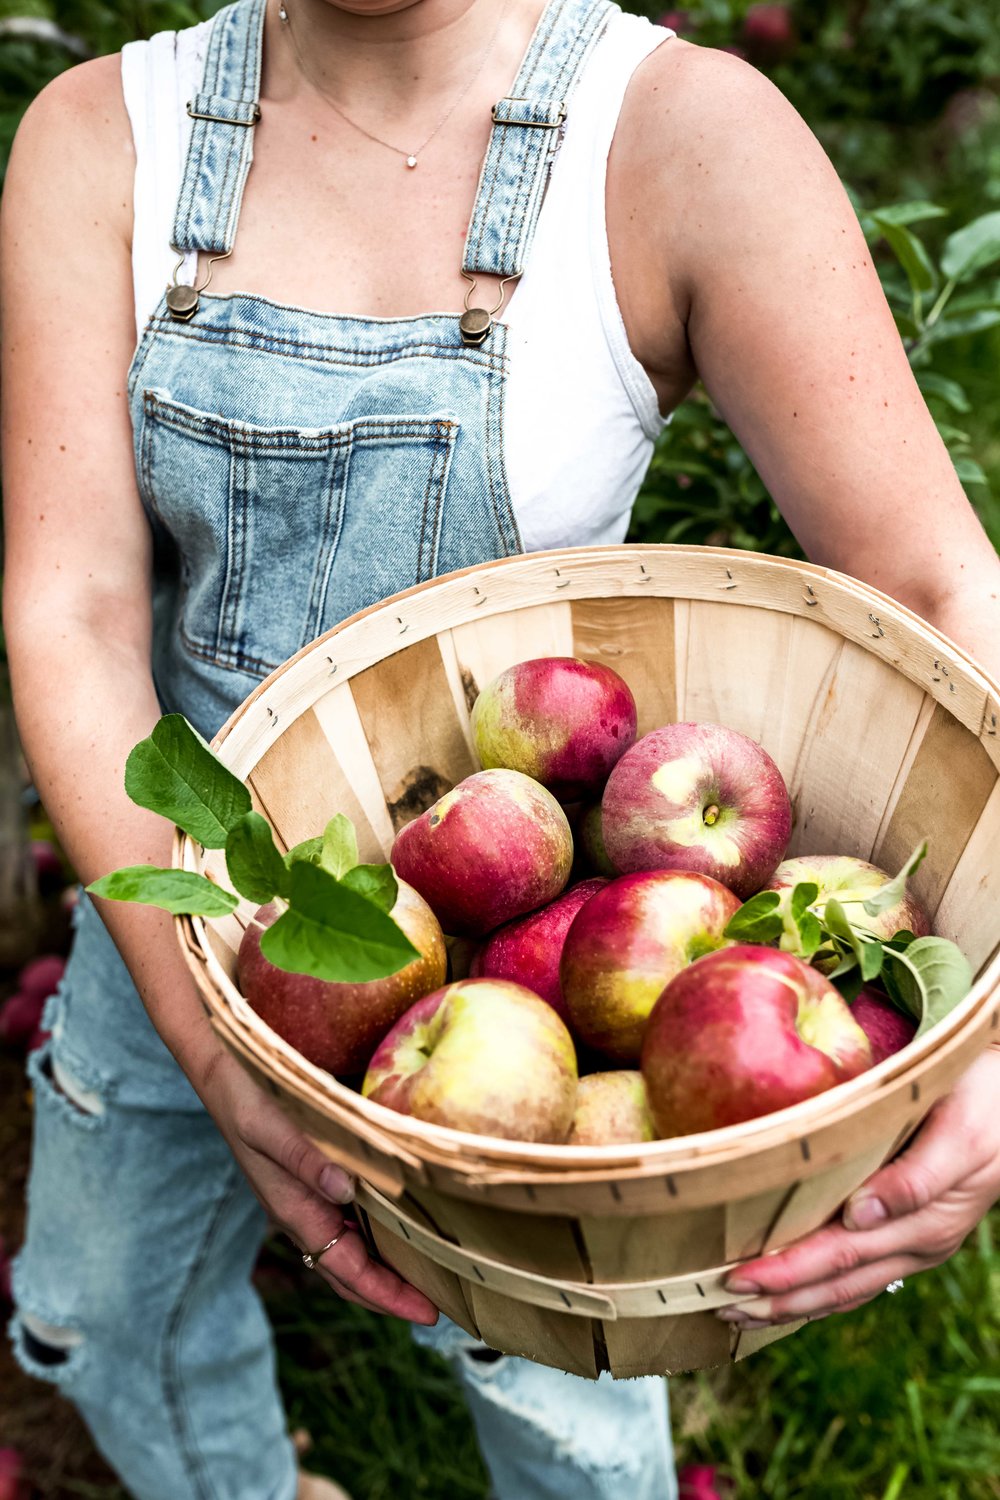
<point x="635" y="637"/>
<point x="547" y="1242"/>
<point x="530" y="629"/>
<point x="550" y="1338"/>
<point x="813" y="1200"/>
<point x="969" y="912"/>
<point x="749" y="1221"/>
<point x="736" y="670"/>
<point x="629" y="1249"/>
<point x="443" y="1287"/>
<point x="691" y="1341"/>
<point x="755" y="1339"/>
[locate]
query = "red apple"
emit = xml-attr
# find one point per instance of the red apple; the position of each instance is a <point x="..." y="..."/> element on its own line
<point x="741" y="1033"/>
<point x="41" y="976"/>
<point x="496" y="846"/>
<point x="611" y="1108"/>
<point x="589" y="839"/>
<point x="562" y="721"/>
<point x="886" y="1028"/>
<point x="338" y="1026"/>
<point x="627" y="942"/>
<point x="20" y="1018"/>
<point x="481" y="1055"/>
<point x="527" y="951"/>
<point x="851" y="881"/>
<point x="698" y="797"/>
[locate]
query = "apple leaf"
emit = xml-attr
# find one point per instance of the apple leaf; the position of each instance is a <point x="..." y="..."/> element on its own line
<point x="867" y="951"/>
<point x="310" y="850"/>
<point x="177" y="891"/>
<point x="334" y="933"/>
<point x="928" y="979"/>
<point x="377" y="883"/>
<point x="340" y="846"/>
<point x="255" y="865"/>
<point x="757" y="921"/>
<point x="892" y="893"/>
<point x="810" y="934"/>
<point x="175" y="773"/>
<point x="803" y="896"/>
<point x="849" y="981"/>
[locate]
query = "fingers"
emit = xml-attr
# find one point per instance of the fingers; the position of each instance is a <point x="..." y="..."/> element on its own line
<point x="348" y="1266"/>
<point x="841" y="1294"/>
<point x="921" y="1174"/>
<point x="270" y="1132"/>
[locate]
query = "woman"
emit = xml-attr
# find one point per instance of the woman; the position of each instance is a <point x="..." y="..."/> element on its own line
<point x="302" y="438"/>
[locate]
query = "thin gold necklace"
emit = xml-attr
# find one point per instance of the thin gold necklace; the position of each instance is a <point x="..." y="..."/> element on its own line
<point x="410" y="157"/>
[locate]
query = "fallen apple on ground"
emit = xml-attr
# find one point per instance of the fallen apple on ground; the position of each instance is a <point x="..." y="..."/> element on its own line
<point x="483" y="1056"/>
<point x="741" y="1033"/>
<point x="494" y="847"/>
<point x="528" y="950"/>
<point x="627" y="942"/>
<point x="698" y="797"/>
<point x="338" y="1026"/>
<point x="611" y="1108"/>
<point x="563" y="721"/>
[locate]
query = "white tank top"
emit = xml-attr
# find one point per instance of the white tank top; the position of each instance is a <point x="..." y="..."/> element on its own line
<point x="574" y="475"/>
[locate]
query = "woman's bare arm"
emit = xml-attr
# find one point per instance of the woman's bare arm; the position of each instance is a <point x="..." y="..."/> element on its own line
<point x="77" y="605"/>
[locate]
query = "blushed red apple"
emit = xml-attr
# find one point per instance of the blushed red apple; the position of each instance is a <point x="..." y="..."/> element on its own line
<point x="527" y="951"/>
<point x="741" y="1033"/>
<point x="886" y="1028"/>
<point x="611" y="1108"/>
<point x="338" y="1026"/>
<point x="852" y="882"/>
<point x="698" y="797"/>
<point x="588" y="835"/>
<point x="627" y="942"/>
<point x="484" y="1056"/>
<point x="494" y="847"/>
<point x="562" y="721"/>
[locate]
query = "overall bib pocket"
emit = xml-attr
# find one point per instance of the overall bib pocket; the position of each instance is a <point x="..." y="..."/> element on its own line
<point x="282" y="531"/>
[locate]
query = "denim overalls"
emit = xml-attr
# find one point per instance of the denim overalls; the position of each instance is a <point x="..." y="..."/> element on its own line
<point x="295" y="467"/>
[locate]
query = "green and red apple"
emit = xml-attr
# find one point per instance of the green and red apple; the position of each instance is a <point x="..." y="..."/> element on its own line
<point x="851" y="882"/>
<point x="483" y="1056"/>
<point x="627" y="942"/>
<point x="743" y="1032"/>
<point x="698" y="797"/>
<point x="611" y="1109"/>
<point x="496" y="846"/>
<point x="562" y="721"/>
<point x="887" y="1029"/>
<point x="338" y="1026"/>
<point x="528" y="950"/>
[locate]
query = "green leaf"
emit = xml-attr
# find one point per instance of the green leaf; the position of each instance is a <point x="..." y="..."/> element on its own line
<point x="949" y="391"/>
<point x="929" y="978"/>
<point x="340" y="846"/>
<point x="176" y="774"/>
<point x="311" y="850"/>
<point x="810" y="934"/>
<point x="910" y="253"/>
<point x="848" y="981"/>
<point x="909" y="213"/>
<point x="972" y="247"/>
<point x="332" y="932"/>
<point x="894" y="891"/>
<point x="959" y="327"/>
<point x="867" y="951"/>
<point x="177" y="891"/>
<point x="803" y="896"/>
<point x="255" y="865"/>
<point x="377" y="883"/>
<point x="757" y="920"/>
<point x="969" y="471"/>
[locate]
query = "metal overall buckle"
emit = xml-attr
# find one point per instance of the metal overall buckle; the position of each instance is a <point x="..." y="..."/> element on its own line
<point x="183" y="300"/>
<point x="476" y="323"/>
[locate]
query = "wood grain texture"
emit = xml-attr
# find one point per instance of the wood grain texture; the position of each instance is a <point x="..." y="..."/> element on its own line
<point x="635" y="637"/>
<point x="666" y="1346"/>
<point x="484" y="647"/>
<point x="656" y="1245"/>
<point x="558" y="1340"/>
<point x="969" y="912"/>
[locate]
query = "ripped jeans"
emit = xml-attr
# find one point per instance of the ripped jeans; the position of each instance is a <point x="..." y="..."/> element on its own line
<point x="133" y="1290"/>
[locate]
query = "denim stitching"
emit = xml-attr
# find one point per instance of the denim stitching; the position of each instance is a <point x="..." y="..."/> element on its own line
<point x="333" y="525"/>
<point x="232" y="583"/>
<point x="267" y="343"/>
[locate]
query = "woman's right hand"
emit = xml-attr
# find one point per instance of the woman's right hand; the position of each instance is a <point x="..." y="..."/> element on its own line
<point x="302" y="1192"/>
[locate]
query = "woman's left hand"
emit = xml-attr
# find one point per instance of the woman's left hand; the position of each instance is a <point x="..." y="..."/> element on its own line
<point x="911" y="1215"/>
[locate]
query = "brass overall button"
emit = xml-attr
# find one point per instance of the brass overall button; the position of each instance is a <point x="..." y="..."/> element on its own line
<point x="182" y="302"/>
<point x="474" y="325"/>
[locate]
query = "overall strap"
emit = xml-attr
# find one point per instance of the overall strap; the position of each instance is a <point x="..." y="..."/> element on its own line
<point x="525" y="134"/>
<point x="220" y="149"/>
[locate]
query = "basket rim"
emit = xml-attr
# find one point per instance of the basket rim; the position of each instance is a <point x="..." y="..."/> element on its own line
<point x="673" y="1153"/>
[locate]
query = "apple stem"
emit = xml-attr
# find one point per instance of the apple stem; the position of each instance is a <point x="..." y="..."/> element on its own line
<point x="275" y="901"/>
<point x="711" y="814"/>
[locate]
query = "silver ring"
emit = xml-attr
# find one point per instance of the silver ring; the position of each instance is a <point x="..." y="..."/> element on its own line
<point x="310" y="1260"/>
<point x="895" y="1286"/>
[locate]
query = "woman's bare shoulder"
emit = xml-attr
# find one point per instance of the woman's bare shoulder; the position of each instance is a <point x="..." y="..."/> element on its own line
<point x="73" y="150"/>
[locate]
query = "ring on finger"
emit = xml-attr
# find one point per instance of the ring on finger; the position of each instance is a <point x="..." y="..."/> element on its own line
<point x="895" y="1286"/>
<point x="311" y="1258"/>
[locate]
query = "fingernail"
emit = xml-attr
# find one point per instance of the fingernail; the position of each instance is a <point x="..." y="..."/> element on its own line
<point x="336" y="1184"/>
<point x="759" y="1308"/>
<point x="865" y="1212"/>
<point x="741" y="1324"/>
<point x="742" y="1285"/>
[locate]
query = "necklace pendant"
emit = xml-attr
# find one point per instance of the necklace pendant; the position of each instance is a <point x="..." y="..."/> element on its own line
<point x="411" y="161"/>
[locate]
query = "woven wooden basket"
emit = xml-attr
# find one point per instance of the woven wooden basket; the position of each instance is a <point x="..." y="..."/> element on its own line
<point x="614" y="1257"/>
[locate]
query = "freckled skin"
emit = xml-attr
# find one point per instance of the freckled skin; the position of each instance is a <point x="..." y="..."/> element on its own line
<point x="494" y="847"/>
<point x="741" y="1033"/>
<point x="481" y="1055"/>
<point x="627" y="942"/>
<point x="851" y="882"/>
<point x="610" y="1108"/>
<point x="527" y="951"/>
<point x="698" y="797"/>
<point x="338" y="1026"/>
<point x="562" y="721"/>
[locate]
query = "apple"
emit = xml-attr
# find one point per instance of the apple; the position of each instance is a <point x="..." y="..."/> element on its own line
<point x="494" y="847"/>
<point x="40" y="978"/>
<point x="852" y="882"/>
<point x="562" y="721"/>
<point x="741" y="1033"/>
<point x="338" y="1026"/>
<point x="611" y="1108"/>
<point x="482" y="1055"/>
<point x="527" y="951"/>
<point x="627" y="942"/>
<point x="886" y="1028"/>
<point x="698" y="797"/>
<point x="589" y="839"/>
<point x="20" y="1018"/>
